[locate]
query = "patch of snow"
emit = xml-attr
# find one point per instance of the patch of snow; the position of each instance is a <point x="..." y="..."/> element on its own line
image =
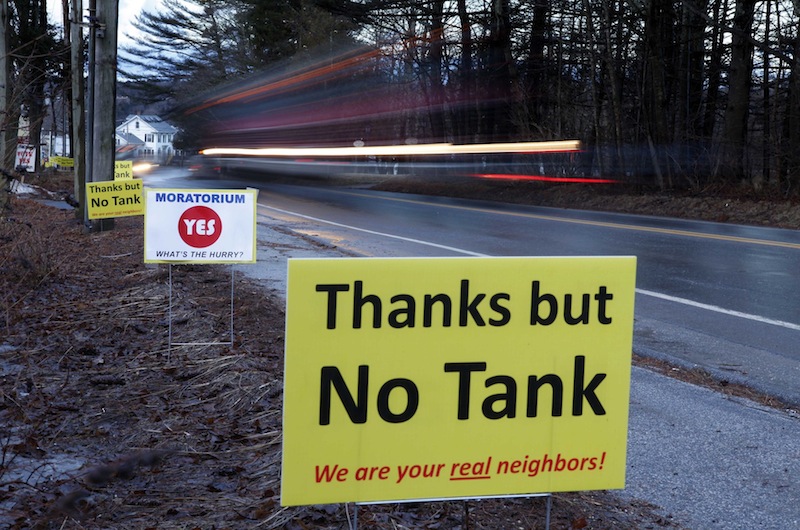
<point x="20" y="188"/>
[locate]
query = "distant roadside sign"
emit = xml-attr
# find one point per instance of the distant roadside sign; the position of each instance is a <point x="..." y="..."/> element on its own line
<point x="26" y="157"/>
<point x="123" y="170"/>
<point x="107" y="199"/>
<point x="62" y="161"/>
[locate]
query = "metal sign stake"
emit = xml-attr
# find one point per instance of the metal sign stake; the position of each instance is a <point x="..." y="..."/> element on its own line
<point x="353" y="523"/>
<point x="218" y="343"/>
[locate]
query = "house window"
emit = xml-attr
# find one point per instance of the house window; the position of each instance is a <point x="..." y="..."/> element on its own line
<point x="136" y="124"/>
<point x="148" y="137"/>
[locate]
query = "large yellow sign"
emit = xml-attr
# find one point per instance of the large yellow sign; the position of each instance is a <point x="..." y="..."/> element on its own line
<point x="108" y="199"/>
<point x="452" y="378"/>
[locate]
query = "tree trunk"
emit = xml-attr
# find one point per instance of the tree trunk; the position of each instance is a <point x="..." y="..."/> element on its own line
<point x="714" y="75"/>
<point x="467" y="124"/>
<point x="11" y="107"/>
<point x="435" y="58"/>
<point x="613" y="59"/>
<point x="656" y="86"/>
<point x="731" y="166"/>
<point x="689" y="126"/>
<point x="4" y="101"/>
<point x="595" y="156"/>
<point x="502" y="72"/>
<point x="32" y="52"/>
<point x="766" y="143"/>
<point x="791" y="126"/>
<point x="8" y="142"/>
<point x="536" y="90"/>
<point x="67" y="98"/>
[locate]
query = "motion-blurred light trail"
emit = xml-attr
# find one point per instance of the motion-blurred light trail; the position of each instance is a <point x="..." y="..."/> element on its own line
<point x="559" y="146"/>
<point x="318" y="74"/>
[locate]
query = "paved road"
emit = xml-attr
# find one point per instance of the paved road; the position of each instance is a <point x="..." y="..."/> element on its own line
<point x="707" y="460"/>
<point x="720" y="297"/>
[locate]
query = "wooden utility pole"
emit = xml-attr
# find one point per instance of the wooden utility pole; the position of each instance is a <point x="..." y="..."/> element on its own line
<point x="8" y="143"/>
<point x="105" y="95"/>
<point x="78" y="108"/>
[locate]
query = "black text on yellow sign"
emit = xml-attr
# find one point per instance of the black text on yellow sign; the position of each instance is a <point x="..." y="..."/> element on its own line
<point x="109" y="199"/>
<point x="447" y="378"/>
<point x="123" y="170"/>
<point x="466" y="310"/>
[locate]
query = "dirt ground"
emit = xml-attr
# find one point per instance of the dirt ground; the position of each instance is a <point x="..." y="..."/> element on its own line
<point x="105" y="426"/>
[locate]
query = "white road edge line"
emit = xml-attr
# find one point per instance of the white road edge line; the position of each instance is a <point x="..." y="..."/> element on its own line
<point x="708" y="307"/>
<point x="684" y="301"/>
<point x="373" y="232"/>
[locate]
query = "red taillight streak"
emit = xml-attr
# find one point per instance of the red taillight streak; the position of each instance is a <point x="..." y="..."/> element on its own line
<point x="542" y="178"/>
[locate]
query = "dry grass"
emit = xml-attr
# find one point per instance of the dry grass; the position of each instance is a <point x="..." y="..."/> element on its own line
<point x="108" y="426"/>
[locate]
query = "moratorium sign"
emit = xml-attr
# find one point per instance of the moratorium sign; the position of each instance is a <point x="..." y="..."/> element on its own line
<point x="413" y="379"/>
<point x="200" y="226"/>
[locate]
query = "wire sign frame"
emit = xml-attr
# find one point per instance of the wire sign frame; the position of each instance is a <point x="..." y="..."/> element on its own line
<point x="212" y="343"/>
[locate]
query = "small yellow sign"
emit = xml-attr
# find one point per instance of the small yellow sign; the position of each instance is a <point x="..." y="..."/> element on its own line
<point x="410" y="379"/>
<point x="62" y="161"/>
<point x="108" y="199"/>
<point x="123" y="170"/>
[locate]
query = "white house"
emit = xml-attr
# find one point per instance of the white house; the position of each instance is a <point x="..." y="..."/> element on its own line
<point x="145" y="137"/>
